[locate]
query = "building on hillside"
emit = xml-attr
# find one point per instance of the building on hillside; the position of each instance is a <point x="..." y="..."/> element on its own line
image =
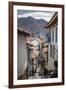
<point x="32" y="44"/>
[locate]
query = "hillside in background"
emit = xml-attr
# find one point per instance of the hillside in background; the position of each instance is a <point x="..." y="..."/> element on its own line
<point x="33" y="25"/>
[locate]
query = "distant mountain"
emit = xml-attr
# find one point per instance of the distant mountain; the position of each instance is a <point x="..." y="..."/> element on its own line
<point x="33" y="25"/>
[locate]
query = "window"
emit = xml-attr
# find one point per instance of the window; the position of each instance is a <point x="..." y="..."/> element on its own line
<point x="52" y="35"/>
<point x="52" y="51"/>
<point x="56" y="35"/>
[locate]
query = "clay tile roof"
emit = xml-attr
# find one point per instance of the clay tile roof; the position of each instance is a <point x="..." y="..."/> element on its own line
<point x="23" y="32"/>
<point x="28" y="42"/>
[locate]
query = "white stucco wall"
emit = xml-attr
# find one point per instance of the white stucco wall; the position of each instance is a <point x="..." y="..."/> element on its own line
<point x="53" y="29"/>
<point x="50" y="59"/>
<point x="22" y="54"/>
<point x="50" y="65"/>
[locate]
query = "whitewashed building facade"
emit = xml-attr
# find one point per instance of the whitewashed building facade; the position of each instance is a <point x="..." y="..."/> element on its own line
<point x="53" y="44"/>
<point x="21" y="51"/>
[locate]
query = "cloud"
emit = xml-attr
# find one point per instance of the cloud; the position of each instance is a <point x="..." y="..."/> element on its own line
<point x="38" y="15"/>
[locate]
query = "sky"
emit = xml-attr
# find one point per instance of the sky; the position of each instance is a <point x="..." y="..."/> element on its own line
<point x="46" y="15"/>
